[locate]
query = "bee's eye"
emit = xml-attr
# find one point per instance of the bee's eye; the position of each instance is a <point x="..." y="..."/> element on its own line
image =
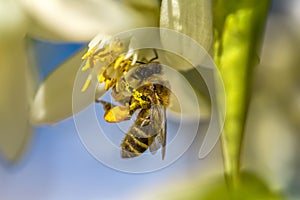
<point x="144" y="98"/>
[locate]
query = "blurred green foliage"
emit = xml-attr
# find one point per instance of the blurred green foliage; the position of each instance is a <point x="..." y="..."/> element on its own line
<point x="251" y="187"/>
<point x="238" y="29"/>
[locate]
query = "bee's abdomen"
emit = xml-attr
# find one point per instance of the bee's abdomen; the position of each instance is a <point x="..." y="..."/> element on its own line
<point x="135" y="143"/>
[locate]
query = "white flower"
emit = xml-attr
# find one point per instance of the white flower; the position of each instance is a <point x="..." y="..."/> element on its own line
<point x="52" y="102"/>
<point x="193" y="18"/>
<point x="14" y="76"/>
<point x="58" y="20"/>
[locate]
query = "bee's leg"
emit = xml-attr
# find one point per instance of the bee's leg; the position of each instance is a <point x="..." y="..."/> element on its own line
<point x="149" y="61"/>
<point x="114" y="113"/>
<point x="140" y="62"/>
<point x="117" y="114"/>
<point x="156" y="56"/>
<point x="106" y="105"/>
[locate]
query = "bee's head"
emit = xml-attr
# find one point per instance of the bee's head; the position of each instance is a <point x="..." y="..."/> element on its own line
<point x="157" y="68"/>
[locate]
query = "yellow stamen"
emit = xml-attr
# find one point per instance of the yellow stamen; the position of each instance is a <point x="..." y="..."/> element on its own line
<point x="118" y="61"/>
<point x="87" y="83"/>
<point x="103" y="54"/>
<point x="89" y="53"/>
<point x="86" y="55"/>
<point x="86" y="66"/>
<point x="101" y="78"/>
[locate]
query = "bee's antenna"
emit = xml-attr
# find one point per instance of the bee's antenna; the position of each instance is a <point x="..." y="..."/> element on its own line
<point x="99" y="101"/>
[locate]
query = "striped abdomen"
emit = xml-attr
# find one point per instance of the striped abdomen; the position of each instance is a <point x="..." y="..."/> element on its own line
<point x="139" y="137"/>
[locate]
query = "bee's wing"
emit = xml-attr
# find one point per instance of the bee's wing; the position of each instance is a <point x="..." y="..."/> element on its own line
<point x="159" y="125"/>
<point x="154" y="146"/>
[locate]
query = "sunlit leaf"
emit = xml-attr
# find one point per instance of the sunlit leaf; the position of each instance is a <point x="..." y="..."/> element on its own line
<point x="238" y="27"/>
<point x="251" y="187"/>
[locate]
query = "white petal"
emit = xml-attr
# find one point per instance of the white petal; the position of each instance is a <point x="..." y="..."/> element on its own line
<point x="193" y="18"/>
<point x="12" y="20"/>
<point x="53" y="100"/>
<point x="186" y="99"/>
<point x="83" y="19"/>
<point x="15" y="130"/>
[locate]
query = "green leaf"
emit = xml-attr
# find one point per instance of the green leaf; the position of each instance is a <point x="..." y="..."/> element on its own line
<point x="251" y="187"/>
<point x="208" y="187"/>
<point x="238" y="28"/>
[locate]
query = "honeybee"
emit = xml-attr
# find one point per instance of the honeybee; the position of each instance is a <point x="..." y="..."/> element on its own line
<point x="145" y="92"/>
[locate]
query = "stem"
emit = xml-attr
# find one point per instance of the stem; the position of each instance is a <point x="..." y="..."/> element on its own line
<point x="238" y="27"/>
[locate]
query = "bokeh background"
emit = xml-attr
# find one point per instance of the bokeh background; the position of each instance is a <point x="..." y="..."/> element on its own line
<point x="57" y="166"/>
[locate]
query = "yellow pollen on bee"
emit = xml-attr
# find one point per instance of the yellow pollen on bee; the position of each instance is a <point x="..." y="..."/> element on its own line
<point x="134" y="105"/>
<point x="111" y="83"/>
<point x="137" y="96"/>
<point x="107" y="84"/>
<point x="109" y="117"/>
<point x="116" y="114"/>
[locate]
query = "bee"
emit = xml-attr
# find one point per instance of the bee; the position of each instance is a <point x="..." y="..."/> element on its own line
<point x="145" y="92"/>
<point x="140" y="75"/>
